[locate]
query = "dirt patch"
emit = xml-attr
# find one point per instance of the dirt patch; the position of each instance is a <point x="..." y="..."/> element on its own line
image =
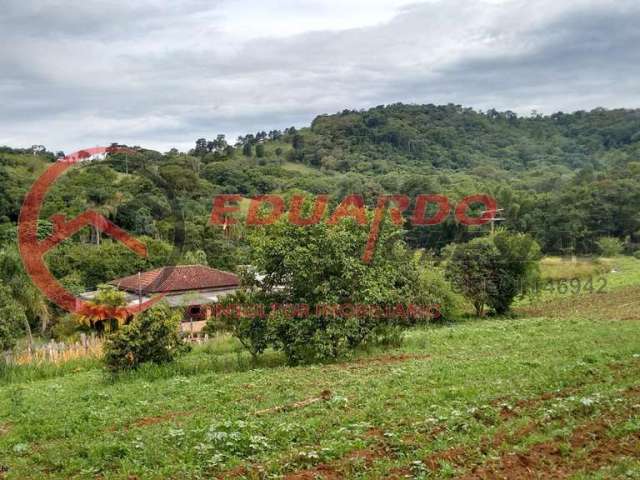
<point x="374" y="432"/>
<point x="555" y="460"/>
<point x="5" y="428"/>
<point x="237" y="472"/>
<point x="321" y="471"/>
<point x="382" y="360"/>
<point x="148" y="421"/>
<point x="550" y="460"/>
<point x="341" y="468"/>
<point x="452" y="456"/>
<point x="325" y="395"/>
<point x="535" y="463"/>
<point x="167" y="417"/>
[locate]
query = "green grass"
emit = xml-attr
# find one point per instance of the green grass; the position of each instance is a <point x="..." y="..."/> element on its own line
<point x="197" y="418"/>
<point x="298" y="167"/>
<point x="562" y="278"/>
<point x="451" y="399"/>
<point x="557" y="268"/>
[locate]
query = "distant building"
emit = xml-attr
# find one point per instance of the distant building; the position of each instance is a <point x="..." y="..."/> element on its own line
<point x="194" y="287"/>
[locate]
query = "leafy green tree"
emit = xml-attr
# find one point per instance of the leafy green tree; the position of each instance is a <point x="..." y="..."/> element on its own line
<point x="474" y="270"/>
<point x="519" y="267"/>
<point x="197" y="257"/>
<point x="320" y="266"/>
<point x="106" y="298"/>
<point x="153" y="336"/>
<point x="250" y="328"/>
<point x="494" y="270"/>
<point x="32" y="302"/>
<point x="247" y="149"/>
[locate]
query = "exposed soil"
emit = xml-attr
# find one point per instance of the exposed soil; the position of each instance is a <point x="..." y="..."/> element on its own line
<point x="554" y="460"/>
<point x="339" y="469"/>
<point x="148" y="421"/>
<point x="323" y="471"/>
<point x="325" y="395"/>
<point x="452" y="456"/>
<point x="382" y="360"/>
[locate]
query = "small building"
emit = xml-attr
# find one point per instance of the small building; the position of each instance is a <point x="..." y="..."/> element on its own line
<point x="194" y="287"/>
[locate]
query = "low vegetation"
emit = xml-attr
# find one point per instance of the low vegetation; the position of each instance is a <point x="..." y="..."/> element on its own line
<point x="554" y="391"/>
<point x="151" y="337"/>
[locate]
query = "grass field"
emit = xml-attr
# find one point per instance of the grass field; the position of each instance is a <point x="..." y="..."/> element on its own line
<point x="553" y="393"/>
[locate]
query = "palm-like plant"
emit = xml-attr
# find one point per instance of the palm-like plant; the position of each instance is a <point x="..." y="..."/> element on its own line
<point x="27" y="296"/>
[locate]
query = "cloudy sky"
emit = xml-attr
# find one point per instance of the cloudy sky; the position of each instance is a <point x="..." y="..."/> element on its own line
<point x="81" y="73"/>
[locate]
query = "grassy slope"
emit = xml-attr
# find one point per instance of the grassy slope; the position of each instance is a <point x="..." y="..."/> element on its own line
<point x="451" y="399"/>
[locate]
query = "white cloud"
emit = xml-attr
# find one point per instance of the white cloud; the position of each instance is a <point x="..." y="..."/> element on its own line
<point x="162" y="74"/>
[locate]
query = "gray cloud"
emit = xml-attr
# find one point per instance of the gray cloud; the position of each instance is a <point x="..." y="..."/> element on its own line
<point x="147" y="74"/>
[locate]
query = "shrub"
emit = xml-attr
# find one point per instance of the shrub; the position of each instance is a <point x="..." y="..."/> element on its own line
<point x="153" y="336"/>
<point x="12" y="319"/>
<point x="433" y="289"/>
<point x="472" y="270"/>
<point x="494" y="270"/>
<point x="68" y="328"/>
<point x="637" y="254"/>
<point x="317" y="338"/>
<point x="519" y="267"/>
<point x="610" y="246"/>
<point x="251" y="331"/>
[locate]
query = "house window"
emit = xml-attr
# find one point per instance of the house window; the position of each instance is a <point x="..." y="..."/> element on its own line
<point x="195" y="310"/>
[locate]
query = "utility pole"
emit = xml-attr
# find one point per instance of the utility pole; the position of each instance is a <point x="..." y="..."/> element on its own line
<point x="493" y="218"/>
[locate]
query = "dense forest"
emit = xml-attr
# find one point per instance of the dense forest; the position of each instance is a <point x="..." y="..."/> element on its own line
<point x="566" y="179"/>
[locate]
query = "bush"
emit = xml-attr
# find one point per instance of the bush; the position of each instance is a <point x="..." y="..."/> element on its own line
<point x="251" y="331"/>
<point x="519" y="267"/>
<point x="433" y="289"/>
<point x="472" y="271"/>
<point x="637" y="254"/>
<point x="319" y="338"/>
<point x="610" y="246"/>
<point x="68" y="328"/>
<point x="494" y="270"/>
<point x="12" y="319"/>
<point x="153" y="336"/>
<point x="346" y="303"/>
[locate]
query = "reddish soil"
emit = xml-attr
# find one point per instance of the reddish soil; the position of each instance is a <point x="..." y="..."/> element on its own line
<point x="322" y="471"/>
<point x="147" y="421"/>
<point x="236" y="472"/>
<point x="452" y="456"/>
<point x="554" y="460"/>
<point x="339" y="469"/>
<point x="383" y="360"/>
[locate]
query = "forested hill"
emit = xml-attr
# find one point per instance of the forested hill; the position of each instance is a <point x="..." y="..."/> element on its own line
<point x="453" y="137"/>
<point x="567" y="179"/>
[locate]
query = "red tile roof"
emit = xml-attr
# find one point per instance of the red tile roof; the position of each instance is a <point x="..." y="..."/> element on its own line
<point x="177" y="279"/>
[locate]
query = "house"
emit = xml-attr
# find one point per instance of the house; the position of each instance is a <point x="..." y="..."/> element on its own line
<point x="194" y="287"/>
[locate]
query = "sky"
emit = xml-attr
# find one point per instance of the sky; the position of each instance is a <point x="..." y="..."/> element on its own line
<point x="160" y="74"/>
